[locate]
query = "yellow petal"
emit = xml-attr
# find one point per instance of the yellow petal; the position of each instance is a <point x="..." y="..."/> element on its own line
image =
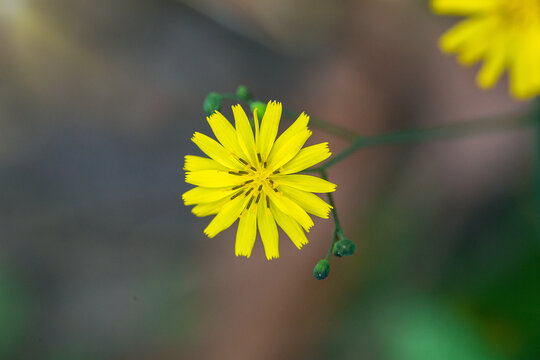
<point x="268" y="230"/>
<point x="213" y="178"/>
<point x="519" y="76"/>
<point x="257" y="128"/>
<point x="269" y="128"/>
<point x="217" y="152"/>
<point x="308" y="201"/>
<point x="244" y="133"/>
<point x="225" y="132"/>
<point x="291" y="208"/>
<point x="464" y="7"/>
<point x="306" y="183"/>
<point x="285" y="152"/>
<point x="205" y="195"/>
<point x="195" y="163"/>
<point x="526" y="81"/>
<point x="290" y="227"/>
<point x="307" y="157"/>
<point x="211" y="208"/>
<point x="473" y="50"/>
<point x="494" y="65"/>
<point x="228" y="214"/>
<point x="468" y="34"/>
<point x="298" y="126"/>
<point x="247" y="231"/>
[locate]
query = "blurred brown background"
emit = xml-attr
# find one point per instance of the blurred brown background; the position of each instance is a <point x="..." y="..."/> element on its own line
<point x="99" y="258"/>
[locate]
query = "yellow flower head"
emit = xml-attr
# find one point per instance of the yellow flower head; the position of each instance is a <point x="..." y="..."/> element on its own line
<point x="505" y="33"/>
<point x="252" y="177"/>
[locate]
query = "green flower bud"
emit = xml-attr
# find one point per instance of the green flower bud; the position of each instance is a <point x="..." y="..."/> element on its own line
<point x="261" y="108"/>
<point x="322" y="269"/>
<point x="344" y="247"/>
<point x="243" y="93"/>
<point x="212" y="103"/>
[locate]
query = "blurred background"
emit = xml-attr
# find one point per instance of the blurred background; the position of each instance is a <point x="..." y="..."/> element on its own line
<point x="100" y="259"/>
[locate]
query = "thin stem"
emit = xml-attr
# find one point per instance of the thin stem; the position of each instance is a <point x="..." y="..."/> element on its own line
<point x="536" y="118"/>
<point x="468" y="128"/>
<point x="338" y="231"/>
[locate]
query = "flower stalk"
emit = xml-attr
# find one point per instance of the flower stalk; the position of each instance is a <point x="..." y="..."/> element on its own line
<point x="338" y="231"/>
<point x="535" y="117"/>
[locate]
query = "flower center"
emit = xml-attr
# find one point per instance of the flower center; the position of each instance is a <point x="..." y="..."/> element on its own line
<point x="257" y="179"/>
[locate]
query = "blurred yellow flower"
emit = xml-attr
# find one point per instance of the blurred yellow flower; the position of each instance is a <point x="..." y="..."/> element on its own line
<point x="505" y="33"/>
<point x="252" y="177"/>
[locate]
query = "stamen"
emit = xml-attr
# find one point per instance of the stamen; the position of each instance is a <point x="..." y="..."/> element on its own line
<point x="249" y="181"/>
<point x="237" y="187"/>
<point x="260" y="187"/>
<point x="258" y="198"/>
<point x="243" y="161"/>
<point x="242" y="173"/>
<point x="275" y="189"/>
<point x="252" y="168"/>
<point x="259" y="157"/>
<point x="249" y="203"/>
<point x="271" y="181"/>
<point x="250" y="190"/>
<point x="233" y="172"/>
<point x="267" y="202"/>
<point x="236" y="195"/>
<point x="265" y="164"/>
<point x="275" y="172"/>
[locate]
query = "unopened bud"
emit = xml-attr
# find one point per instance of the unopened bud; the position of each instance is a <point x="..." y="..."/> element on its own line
<point x="259" y="106"/>
<point x="243" y="93"/>
<point x="212" y="103"/>
<point x="344" y="247"/>
<point x="321" y="270"/>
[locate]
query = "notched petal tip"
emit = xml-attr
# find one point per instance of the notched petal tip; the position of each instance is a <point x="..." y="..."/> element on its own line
<point x="325" y="216"/>
<point x="272" y="103"/>
<point x="196" y="136"/>
<point x="183" y="197"/>
<point x="208" y="233"/>
<point x="242" y="254"/>
<point x="302" y="244"/>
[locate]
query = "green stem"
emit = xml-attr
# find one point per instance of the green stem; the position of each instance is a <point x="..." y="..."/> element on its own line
<point x="338" y="231"/>
<point x="536" y="118"/>
<point x="468" y="128"/>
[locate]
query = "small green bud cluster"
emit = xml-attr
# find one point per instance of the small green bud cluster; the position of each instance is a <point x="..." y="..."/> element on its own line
<point x="243" y="93"/>
<point x="212" y="103"/>
<point x="344" y="247"/>
<point x="321" y="270"/>
<point x="260" y="107"/>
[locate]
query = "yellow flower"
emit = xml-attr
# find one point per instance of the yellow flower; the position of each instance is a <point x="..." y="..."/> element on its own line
<point x="253" y="178"/>
<point x="505" y="33"/>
